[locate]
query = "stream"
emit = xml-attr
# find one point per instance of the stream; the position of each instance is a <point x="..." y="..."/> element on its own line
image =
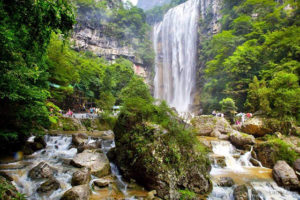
<point x="241" y="170"/>
<point x="58" y="153"/>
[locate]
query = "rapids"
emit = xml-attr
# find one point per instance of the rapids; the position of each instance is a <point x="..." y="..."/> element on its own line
<point x="58" y="153"/>
<point x="240" y="169"/>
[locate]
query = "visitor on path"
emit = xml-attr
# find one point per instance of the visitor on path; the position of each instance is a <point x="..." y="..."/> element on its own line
<point x="214" y="113"/>
<point x="70" y="113"/>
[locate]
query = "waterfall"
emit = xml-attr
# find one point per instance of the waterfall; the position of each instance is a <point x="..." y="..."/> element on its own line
<point x="175" y="45"/>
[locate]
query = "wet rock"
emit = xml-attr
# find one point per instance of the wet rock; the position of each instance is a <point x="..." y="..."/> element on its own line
<point x="285" y="176"/>
<point x="96" y="161"/>
<point x="78" y="139"/>
<point x="151" y="195"/>
<point x="256" y="126"/>
<point x="240" y="140"/>
<point x="241" y="192"/>
<point x="297" y="165"/>
<point x="90" y="146"/>
<point x="37" y="144"/>
<point x="218" y="160"/>
<point x="8" y="190"/>
<point x="225" y="182"/>
<point x="42" y="170"/>
<point x="81" y="177"/>
<point x="104" y="135"/>
<point x="102" y="183"/>
<point x="6" y="176"/>
<point x="80" y="192"/>
<point x="255" y="162"/>
<point x="207" y="125"/>
<point x="49" y="186"/>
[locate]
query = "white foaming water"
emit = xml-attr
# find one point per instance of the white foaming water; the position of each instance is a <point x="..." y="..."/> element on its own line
<point x="175" y="45"/>
<point x="57" y="150"/>
<point x="237" y="163"/>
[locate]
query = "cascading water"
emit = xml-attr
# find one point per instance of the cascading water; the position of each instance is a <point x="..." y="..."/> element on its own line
<point x="240" y="169"/>
<point x="175" y="45"/>
<point x="58" y="153"/>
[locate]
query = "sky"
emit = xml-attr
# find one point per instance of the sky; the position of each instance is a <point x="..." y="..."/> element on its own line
<point x="134" y="2"/>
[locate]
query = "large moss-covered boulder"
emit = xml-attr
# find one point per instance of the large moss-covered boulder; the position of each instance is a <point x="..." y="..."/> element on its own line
<point x="81" y="192"/>
<point x="208" y="125"/>
<point x="160" y="160"/>
<point x="273" y="150"/>
<point x="240" y="140"/>
<point x="260" y="126"/>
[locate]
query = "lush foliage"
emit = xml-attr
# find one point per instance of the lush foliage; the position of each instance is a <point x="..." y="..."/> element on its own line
<point x="156" y="14"/>
<point x="26" y="27"/>
<point x="124" y="22"/>
<point x="255" y="59"/>
<point x="83" y="77"/>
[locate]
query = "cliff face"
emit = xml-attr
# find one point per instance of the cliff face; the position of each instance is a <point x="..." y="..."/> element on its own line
<point x="148" y="4"/>
<point x="92" y="33"/>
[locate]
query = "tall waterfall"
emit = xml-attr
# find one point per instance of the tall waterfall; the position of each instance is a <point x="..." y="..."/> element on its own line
<point x="175" y="45"/>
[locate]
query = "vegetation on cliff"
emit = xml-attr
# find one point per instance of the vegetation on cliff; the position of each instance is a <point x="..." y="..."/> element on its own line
<point x="255" y="58"/>
<point x="154" y="147"/>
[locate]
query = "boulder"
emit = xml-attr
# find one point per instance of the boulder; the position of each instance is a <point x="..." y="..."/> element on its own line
<point x="89" y="146"/>
<point x="241" y="140"/>
<point x="42" y="170"/>
<point x="151" y="195"/>
<point x="241" y="193"/>
<point x="207" y="125"/>
<point x="96" y="161"/>
<point x="49" y="186"/>
<point x="285" y="176"/>
<point x="36" y="144"/>
<point x="256" y="126"/>
<point x="81" y="192"/>
<point x="81" y="177"/>
<point x="104" y="135"/>
<point x="297" y="165"/>
<point x="78" y="139"/>
<point x="150" y="164"/>
<point x="102" y="183"/>
<point x="225" y="182"/>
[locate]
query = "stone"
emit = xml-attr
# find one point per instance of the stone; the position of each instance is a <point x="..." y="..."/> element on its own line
<point x="96" y="161"/>
<point x="49" y="186"/>
<point x="81" y="177"/>
<point x="256" y="126"/>
<point x="104" y="135"/>
<point x="241" y="192"/>
<point x="225" y="182"/>
<point x="151" y="195"/>
<point x="297" y="165"/>
<point x="42" y="170"/>
<point x="78" y="139"/>
<point x="207" y="125"/>
<point x="285" y="176"/>
<point x="102" y="183"/>
<point x="36" y="144"/>
<point x="90" y="146"/>
<point x="241" y="140"/>
<point x="81" y="192"/>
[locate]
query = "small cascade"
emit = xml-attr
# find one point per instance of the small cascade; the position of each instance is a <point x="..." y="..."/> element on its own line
<point x="58" y="152"/>
<point x="240" y="169"/>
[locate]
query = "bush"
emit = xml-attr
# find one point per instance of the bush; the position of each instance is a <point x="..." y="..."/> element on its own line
<point x="187" y="195"/>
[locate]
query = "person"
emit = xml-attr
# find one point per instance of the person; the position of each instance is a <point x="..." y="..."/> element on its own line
<point x="214" y="113"/>
<point x="249" y="115"/>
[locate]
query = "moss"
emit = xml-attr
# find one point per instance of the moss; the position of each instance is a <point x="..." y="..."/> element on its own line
<point x="8" y="191"/>
<point x="87" y="123"/>
<point x="186" y="194"/>
<point x="281" y="150"/>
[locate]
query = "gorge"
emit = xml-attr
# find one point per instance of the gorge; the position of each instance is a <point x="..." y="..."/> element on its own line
<point x="168" y="99"/>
